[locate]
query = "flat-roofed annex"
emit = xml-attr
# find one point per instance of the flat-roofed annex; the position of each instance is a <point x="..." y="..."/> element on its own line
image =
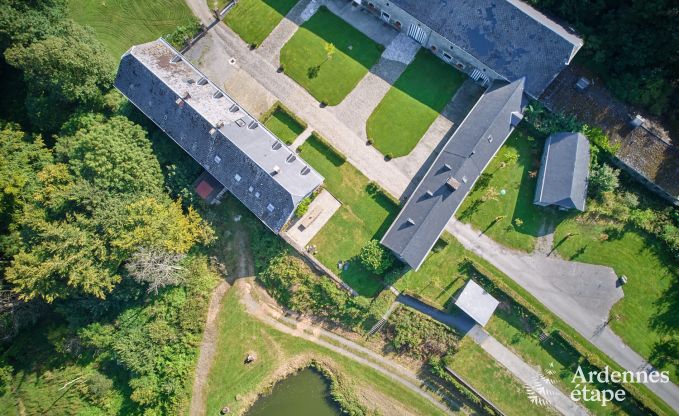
<point x="249" y="160"/>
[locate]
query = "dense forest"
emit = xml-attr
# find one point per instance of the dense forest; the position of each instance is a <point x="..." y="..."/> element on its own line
<point x="633" y="45"/>
<point x="103" y="276"/>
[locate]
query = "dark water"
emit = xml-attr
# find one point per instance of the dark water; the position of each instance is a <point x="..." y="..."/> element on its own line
<point x="306" y="393"/>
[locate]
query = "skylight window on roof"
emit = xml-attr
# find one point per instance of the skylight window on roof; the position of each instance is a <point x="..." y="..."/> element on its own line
<point x="270" y="208"/>
<point x="257" y="194"/>
<point x="237" y="177"/>
<point x="217" y="159"/>
<point x="250" y="189"/>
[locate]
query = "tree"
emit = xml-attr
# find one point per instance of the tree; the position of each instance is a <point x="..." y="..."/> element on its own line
<point x="114" y="155"/>
<point x="375" y="258"/>
<point x="603" y="178"/>
<point x="156" y="268"/>
<point x="62" y="72"/>
<point x="330" y="50"/>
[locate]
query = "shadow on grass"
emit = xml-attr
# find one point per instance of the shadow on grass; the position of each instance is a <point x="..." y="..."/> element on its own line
<point x="283" y="7"/>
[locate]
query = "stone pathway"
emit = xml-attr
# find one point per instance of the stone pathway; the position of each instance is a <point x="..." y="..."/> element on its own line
<point x="270" y="49"/>
<point x="301" y="138"/>
<point x="402" y="49"/>
<point x="324" y="206"/>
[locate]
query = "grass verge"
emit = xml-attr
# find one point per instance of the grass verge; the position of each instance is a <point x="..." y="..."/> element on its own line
<point x="253" y="20"/>
<point x="362" y="217"/>
<point x="329" y="75"/>
<point x="283" y="123"/>
<point x="412" y="104"/>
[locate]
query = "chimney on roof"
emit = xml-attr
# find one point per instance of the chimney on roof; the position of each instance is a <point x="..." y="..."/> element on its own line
<point x="637" y="121"/>
<point x="220" y="124"/>
<point x="516" y="118"/>
<point x="213" y="132"/>
<point x="276" y="169"/>
<point x="186" y="96"/>
<point x="453" y="183"/>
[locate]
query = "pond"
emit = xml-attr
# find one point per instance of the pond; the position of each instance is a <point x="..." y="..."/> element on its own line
<point x="306" y="393"/>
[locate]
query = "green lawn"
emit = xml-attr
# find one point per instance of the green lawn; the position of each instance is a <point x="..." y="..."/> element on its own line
<point x="361" y="217"/>
<point x="647" y="306"/>
<point x="253" y="20"/>
<point x="283" y="124"/>
<point x="440" y="275"/>
<point x="329" y="78"/>
<point x="412" y="104"/>
<point x="512" y="176"/>
<point x="492" y="380"/>
<point x="120" y="24"/>
<point x="240" y="334"/>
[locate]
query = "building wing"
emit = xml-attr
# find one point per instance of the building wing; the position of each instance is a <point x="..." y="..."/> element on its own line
<point x="508" y="36"/>
<point x="452" y="175"/>
<point x="245" y="157"/>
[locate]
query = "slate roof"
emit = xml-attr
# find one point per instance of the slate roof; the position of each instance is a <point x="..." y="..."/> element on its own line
<point x="434" y="202"/>
<point x="476" y="302"/>
<point x="211" y="127"/>
<point x="508" y="36"/>
<point x="562" y="180"/>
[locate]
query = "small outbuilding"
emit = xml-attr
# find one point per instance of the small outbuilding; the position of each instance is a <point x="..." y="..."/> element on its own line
<point x="564" y="170"/>
<point x="476" y="302"/>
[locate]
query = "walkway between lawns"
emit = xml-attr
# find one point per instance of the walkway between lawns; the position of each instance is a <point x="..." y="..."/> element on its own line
<point x="522" y="371"/>
<point x="527" y="272"/>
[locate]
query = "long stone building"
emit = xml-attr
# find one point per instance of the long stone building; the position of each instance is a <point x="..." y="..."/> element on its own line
<point x="488" y="39"/>
<point x="232" y="146"/>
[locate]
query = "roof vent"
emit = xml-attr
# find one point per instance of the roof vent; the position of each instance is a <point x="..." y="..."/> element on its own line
<point x="447" y="167"/>
<point x="276" y="169"/>
<point x="410" y="221"/>
<point x="220" y="124"/>
<point x="218" y="94"/>
<point x="253" y="125"/>
<point x="305" y="170"/>
<point x="453" y="183"/>
<point x="234" y="108"/>
<point x="464" y="179"/>
<point x="190" y="81"/>
<point x="490" y="139"/>
<point x="291" y="158"/>
<point x="176" y="58"/>
<point x="202" y="81"/>
<point x="276" y="145"/>
<point x="429" y="193"/>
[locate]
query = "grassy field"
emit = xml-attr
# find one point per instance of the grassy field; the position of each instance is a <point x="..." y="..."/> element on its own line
<point x="329" y="77"/>
<point x="647" y="306"/>
<point x="253" y="20"/>
<point x="492" y="380"/>
<point x="361" y="217"/>
<point x="120" y="24"/>
<point x="412" y="104"/>
<point x="510" y="171"/>
<point x="284" y="124"/>
<point x="240" y="334"/>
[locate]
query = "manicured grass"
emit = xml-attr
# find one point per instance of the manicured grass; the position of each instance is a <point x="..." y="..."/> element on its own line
<point x="253" y="20"/>
<point x="516" y="205"/>
<point x="492" y="380"/>
<point x="649" y="304"/>
<point x="329" y="78"/>
<point x="120" y="24"/>
<point x="240" y="334"/>
<point x="412" y="104"/>
<point x="440" y="275"/>
<point x="284" y="124"/>
<point x="361" y="217"/>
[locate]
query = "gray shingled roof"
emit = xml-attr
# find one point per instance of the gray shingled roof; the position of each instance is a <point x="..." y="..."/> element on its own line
<point x="434" y="202"/>
<point x="563" y="172"/>
<point x="508" y="36"/>
<point x="222" y="137"/>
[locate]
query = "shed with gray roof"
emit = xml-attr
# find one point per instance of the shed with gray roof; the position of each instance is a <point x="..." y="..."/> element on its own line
<point x="452" y="175"/>
<point x="476" y="302"/>
<point x="239" y="152"/>
<point x="564" y="170"/>
<point x="501" y="39"/>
